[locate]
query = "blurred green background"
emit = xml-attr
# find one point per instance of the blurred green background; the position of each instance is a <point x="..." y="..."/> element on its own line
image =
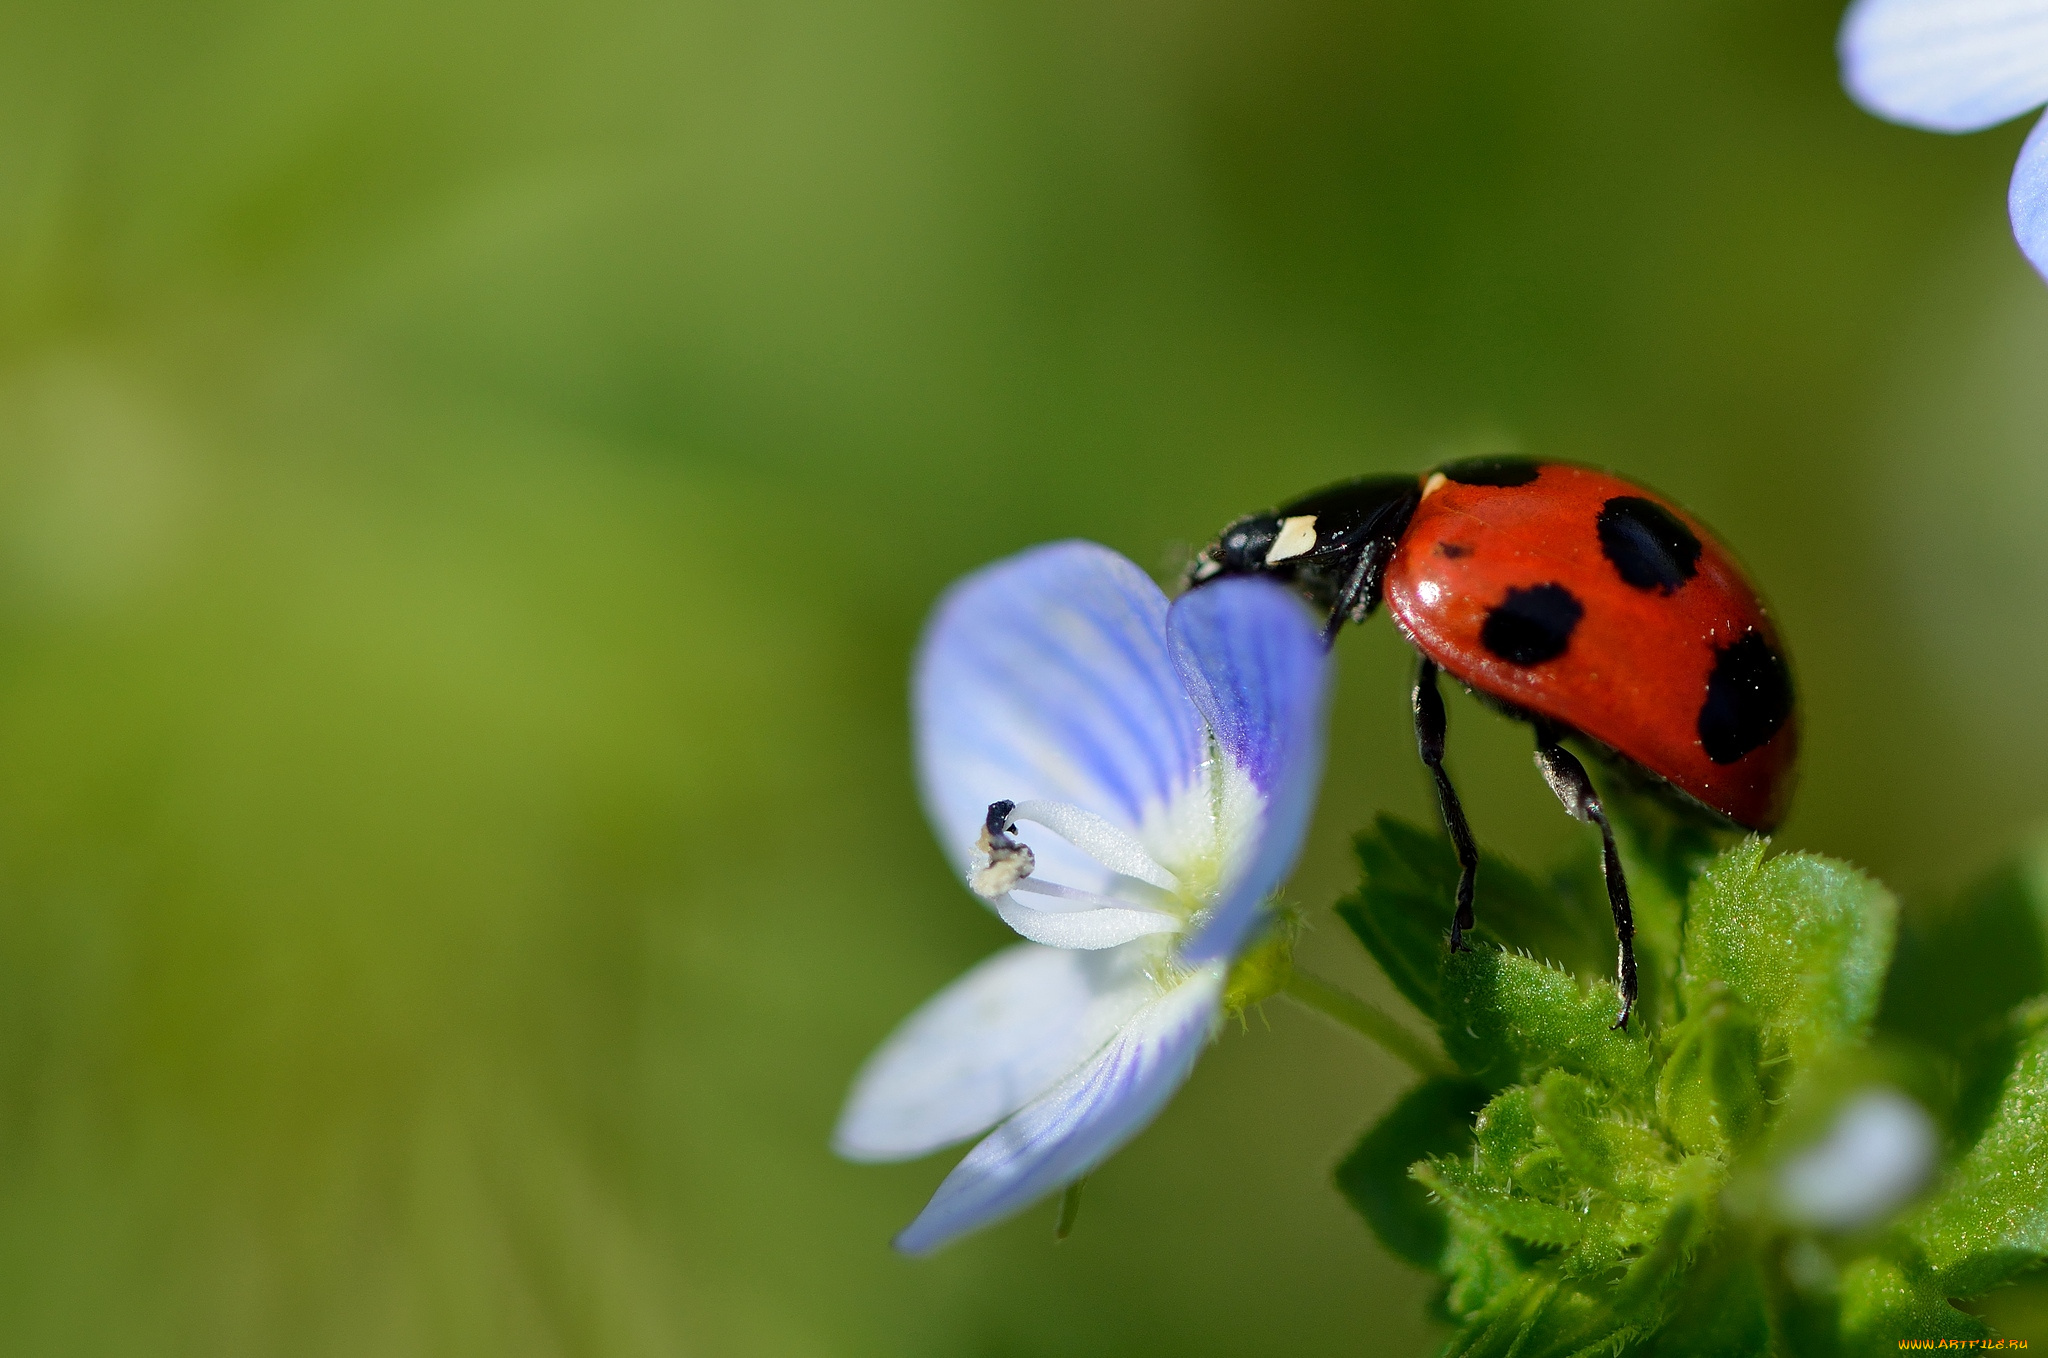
<point x="471" y="477"/>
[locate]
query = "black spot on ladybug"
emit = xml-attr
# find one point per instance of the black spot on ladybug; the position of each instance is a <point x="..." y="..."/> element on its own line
<point x="1492" y="471"/>
<point x="1453" y="550"/>
<point x="1749" y="696"/>
<point x="1648" y="545"/>
<point x="1532" y="625"/>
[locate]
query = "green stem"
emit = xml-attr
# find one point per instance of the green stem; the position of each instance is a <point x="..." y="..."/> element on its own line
<point x="1368" y="1019"/>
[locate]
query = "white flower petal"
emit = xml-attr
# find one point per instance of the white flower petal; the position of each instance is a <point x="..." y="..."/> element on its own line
<point x="1877" y="1155"/>
<point x="1045" y="677"/>
<point x="2028" y="199"/>
<point x="1077" y="1126"/>
<point x="985" y="1046"/>
<point x="1946" y="65"/>
<point x="1087" y="929"/>
<point x="1100" y="840"/>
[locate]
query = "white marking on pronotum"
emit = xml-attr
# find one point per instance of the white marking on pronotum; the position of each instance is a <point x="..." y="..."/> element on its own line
<point x="1297" y="537"/>
<point x="1434" y="484"/>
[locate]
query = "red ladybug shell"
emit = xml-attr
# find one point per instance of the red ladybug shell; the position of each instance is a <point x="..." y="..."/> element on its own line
<point x="1578" y="596"/>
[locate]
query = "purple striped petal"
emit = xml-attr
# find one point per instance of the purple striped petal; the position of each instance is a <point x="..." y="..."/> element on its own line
<point x="1253" y="659"/>
<point x="1946" y="65"/>
<point x="2028" y="198"/>
<point x="985" y="1046"/>
<point x="1046" y="675"/>
<point x="1077" y="1126"/>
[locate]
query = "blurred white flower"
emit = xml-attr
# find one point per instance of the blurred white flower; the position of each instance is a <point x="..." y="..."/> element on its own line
<point x="1959" y="66"/>
<point x="1877" y="1154"/>
<point x="1173" y="754"/>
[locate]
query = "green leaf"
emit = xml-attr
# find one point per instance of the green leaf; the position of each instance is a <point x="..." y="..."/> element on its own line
<point x="1432" y="1119"/>
<point x="1721" y="1310"/>
<point x="1963" y="964"/>
<point x="1516" y="1154"/>
<point x="1502" y="1328"/>
<point x="1806" y="1301"/>
<point x="1474" y="1193"/>
<point x="1506" y="1129"/>
<point x="1690" y="1218"/>
<point x="1989" y="1220"/>
<point x="1711" y="1092"/>
<point x="1573" y="1114"/>
<point x="1546" y="1316"/>
<point x="1882" y="1303"/>
<point x="1507" y="1020"/>
<point x="1800" y="941"/>
<point x="1547" y="1313"/>
<point x="1614" y="1154"/>
<point x="1556" y="1167"/>
<point x="1402" y="909"/>
<point x="1661" y="1304"/>
<point x="1592" y="1211"/>
<point x="1483" y="1269"/>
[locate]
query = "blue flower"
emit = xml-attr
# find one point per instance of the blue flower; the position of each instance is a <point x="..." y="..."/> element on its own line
<point x="1126" y="783"/>
<point x="1959" y="66"/>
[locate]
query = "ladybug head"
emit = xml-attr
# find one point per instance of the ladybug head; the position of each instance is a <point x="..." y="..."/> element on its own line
<point x="1241" y="549"/>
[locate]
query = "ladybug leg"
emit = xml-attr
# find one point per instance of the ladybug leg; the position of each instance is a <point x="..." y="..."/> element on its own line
<point x="1347" y="600"/>
<point x="1567" y="778"/>
<point x="1429" y="742"/>
<point x="1361" y="592"/>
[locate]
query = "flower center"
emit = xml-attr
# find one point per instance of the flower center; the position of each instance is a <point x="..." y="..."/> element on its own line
<point x="1003" y="863"/>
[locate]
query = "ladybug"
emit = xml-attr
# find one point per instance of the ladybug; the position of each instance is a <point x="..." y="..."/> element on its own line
<point x="1569" y="598"/>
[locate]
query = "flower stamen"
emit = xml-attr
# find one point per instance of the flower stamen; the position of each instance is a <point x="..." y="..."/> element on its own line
<point x="1083" y="900"/>
<point x="1003" y="864"/>
<point x="1004" y="861"/>
<point x="1099" y="839"/>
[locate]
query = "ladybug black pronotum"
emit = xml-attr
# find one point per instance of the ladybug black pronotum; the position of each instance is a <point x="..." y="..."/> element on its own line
<point x="1576" y="601"/>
